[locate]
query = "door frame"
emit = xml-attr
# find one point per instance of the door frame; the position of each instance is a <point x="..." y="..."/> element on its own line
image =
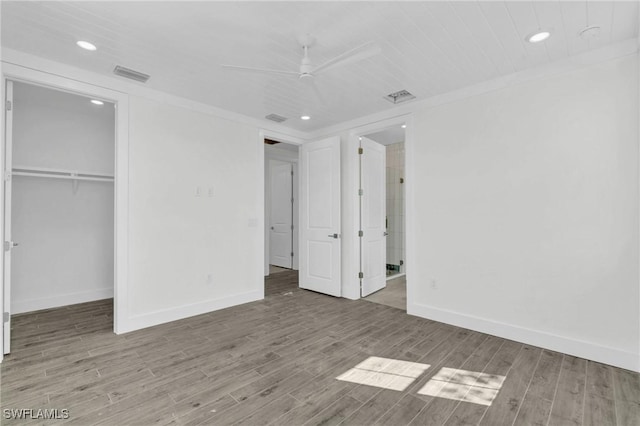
<point x="351" y="251"/>
<point x="34" y="77"/>
<point x="263" y="182"/>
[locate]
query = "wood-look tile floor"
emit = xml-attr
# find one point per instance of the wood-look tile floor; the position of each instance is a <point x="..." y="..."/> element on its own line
<point x="275" y="362"/>
<point x="394" y="294"/>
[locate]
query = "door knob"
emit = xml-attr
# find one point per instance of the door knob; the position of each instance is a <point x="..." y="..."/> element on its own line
<point x="385" y="234"/>
<point x="334" y="235"/>
<point x="272" y="228"/>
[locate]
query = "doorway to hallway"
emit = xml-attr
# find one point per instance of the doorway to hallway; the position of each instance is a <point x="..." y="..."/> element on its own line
<point x="281" y="206"/>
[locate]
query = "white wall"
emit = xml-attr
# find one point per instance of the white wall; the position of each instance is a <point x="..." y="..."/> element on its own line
<point x="526" y="207"/>
<point x="191" y="254"/>
<point x="62" y="130"/>
<point x="66" y="237"/>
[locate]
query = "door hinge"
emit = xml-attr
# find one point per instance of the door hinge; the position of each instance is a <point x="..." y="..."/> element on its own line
<point x="360" y="275"/>
<point x="360" y="234"/>
<point x="360" y="151"/>
<point x="291" y="172"/>
<point x="401" y="262"/>
<point x="7" y="245"/>
<point x="291" y="254"/>
<point x="291" y="200"/>
<point x="292" y="227"/>
<point x="8" y="105"/>
<point x="360" y="191"/>
<point x="401" y="180"/>
<point x="7" y="176"/>
<point x="5" y="317"/>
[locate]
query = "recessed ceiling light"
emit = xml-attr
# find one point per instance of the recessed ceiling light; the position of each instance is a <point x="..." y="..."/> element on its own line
<point x="538" y="36"/>
<point x="86" y="45"/>
<point x="305" y="117"/>
<point x="97" y="102"/>
<point x="404" y="126"/>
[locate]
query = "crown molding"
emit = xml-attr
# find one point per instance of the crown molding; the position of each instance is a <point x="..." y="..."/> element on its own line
<point x="624" y="48"/>
<point x="26" y="60"/>
<point x="617" y="50"/>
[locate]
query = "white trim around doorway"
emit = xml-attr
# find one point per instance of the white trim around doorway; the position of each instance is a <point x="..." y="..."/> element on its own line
<point x="121" y="185"/>
<point x="350" y="255"/>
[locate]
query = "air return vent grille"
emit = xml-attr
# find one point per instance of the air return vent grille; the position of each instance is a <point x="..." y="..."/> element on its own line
<point x="275" y="117"/>
<point x="130" y="74"/>
<point x="399" y="96"/>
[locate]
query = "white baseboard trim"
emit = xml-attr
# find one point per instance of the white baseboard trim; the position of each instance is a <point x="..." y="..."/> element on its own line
<point x="150" y="319"/>
<point x="578" y="348"/>
<point x="21" y="306"/>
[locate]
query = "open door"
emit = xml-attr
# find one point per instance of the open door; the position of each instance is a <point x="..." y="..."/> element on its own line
<point x="281" y="217"/>
<point x="8" y="243"/>
<point x="373" y="241"/>
<point x="320" y="216"/>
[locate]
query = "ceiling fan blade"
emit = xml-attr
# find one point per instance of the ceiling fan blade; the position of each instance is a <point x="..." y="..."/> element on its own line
<point x="260" y="70"/>
<point x="357" y="54"/>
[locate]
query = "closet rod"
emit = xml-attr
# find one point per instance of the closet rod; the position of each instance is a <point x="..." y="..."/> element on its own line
<point x="38" y="169"/>
<point x="60" y="176"/>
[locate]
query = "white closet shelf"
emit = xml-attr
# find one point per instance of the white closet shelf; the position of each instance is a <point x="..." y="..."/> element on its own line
<point x="45" y="172"/>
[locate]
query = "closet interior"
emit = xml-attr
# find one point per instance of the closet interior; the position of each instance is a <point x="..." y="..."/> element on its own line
<point x="60" y="201"/>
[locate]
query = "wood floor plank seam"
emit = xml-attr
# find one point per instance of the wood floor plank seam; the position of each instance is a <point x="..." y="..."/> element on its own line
<point x="615" y="399"/>
<point x="555" y="393"/>
<point x="584" y="396"/>
<point x="527" y="390"/>
<point x="506" y="375"/>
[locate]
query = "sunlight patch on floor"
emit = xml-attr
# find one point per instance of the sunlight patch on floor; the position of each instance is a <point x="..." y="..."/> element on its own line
<point x="463" y="385"/>
<point x="384" y="373"/>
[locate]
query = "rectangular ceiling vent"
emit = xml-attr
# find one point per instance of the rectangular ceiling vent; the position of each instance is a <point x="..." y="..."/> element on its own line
<point x="399" y="96"/>
<point x="131" y="74"/>
<point x="275" y="117"/>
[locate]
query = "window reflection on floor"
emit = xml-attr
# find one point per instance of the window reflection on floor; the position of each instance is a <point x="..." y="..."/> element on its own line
<point x="463" y="385"/>
<point x="384" y="373"/>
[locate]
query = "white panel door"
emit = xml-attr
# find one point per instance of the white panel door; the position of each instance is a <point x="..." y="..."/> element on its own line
<point x="280" y="230"/>
<point x="320" y="216"/>
<point x="373" y="245"/>
<point x="8" y="243"/>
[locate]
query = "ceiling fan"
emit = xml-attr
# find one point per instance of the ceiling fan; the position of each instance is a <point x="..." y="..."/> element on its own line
<point x="307" y="70"/>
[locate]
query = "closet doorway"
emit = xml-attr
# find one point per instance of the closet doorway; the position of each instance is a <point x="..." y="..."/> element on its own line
<point x="58" y="200"/>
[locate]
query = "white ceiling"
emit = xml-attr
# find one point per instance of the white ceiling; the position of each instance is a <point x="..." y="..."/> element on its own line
<point x="428" y="48"/>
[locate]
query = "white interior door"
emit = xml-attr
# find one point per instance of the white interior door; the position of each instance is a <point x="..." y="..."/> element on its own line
<point x="320" y="216"/>
<point x="8" y="243"/>
<point x="281" y="226"/>
<point x="373" y="241"/>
